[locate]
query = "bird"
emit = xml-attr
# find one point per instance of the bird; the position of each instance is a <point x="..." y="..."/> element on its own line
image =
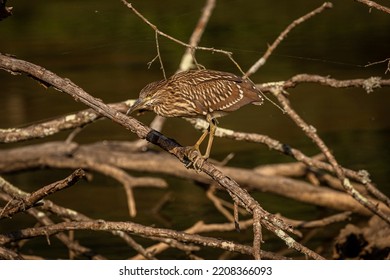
<point x="202" y="93"/>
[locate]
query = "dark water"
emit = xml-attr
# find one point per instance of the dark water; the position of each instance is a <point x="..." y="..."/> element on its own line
<point x="104" y="48"/>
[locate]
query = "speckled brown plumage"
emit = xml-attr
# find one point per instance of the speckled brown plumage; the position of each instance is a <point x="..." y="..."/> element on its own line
<point x="198" y="93"/>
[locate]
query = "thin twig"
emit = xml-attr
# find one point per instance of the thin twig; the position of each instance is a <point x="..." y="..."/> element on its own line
<point x="154" y="27"/>
<point x="387" y="60"/>
<point x="375" y="5"/>
<point x="340" y="217"/>
<point x="283" y="35"/>
<point x="159" y="56"/>
<point x="151" y="62"/>
<point x="218" y="203"/>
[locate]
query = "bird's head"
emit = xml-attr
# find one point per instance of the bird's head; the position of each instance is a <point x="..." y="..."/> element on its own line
<point x="148" y="98"/>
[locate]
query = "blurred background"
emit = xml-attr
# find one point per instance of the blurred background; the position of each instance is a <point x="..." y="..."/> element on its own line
<point x="104" y="48"/>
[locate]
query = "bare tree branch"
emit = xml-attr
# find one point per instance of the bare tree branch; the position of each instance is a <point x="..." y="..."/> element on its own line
<point x="375" y="5"/>
<point x="310" y="131"/>
<point x="66" y="214"/>
<point x="368" y="84"/>
<point x="125" y="227"/>
<point x="36" y="196"/>
<point x="56" y="125"/>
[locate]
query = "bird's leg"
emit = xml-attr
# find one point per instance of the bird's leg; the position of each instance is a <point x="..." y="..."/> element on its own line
<point x="200" y="159"/>
<point x="201" y="139"/>
<point x="212" y="128"/>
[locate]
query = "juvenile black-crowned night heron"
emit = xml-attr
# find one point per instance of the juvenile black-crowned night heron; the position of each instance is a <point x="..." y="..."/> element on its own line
<point x="198" y="93"/>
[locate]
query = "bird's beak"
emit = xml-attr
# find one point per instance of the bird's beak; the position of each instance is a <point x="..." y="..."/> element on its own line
<point x="137" y="104"/>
